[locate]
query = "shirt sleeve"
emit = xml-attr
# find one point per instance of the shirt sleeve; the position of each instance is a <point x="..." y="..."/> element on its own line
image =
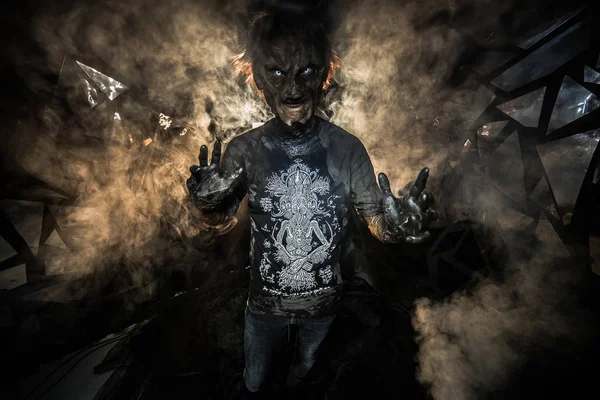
<point x="232" y="159"/>
<point x="364" y="191"/>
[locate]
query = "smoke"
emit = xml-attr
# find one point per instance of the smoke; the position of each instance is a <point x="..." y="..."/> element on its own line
<point x="405" y="97"/>
<point x="129" y="209"/>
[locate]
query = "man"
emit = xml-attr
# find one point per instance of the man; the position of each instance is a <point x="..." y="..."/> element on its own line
<point x="303" y="176"/>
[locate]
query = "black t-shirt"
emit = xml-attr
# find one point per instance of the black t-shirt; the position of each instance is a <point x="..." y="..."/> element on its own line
<point x="300" y="193"/>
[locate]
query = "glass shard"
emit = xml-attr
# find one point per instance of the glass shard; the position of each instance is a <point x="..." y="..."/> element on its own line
<point x="525" y="109"/>
<point x="91" y="93"/>
<point x="566" y="162"/>
<point x="505" y="169"/>
<point x="55" y="240"/>
<point x="546" y="59"/>
<point x="486" y="136"/>
<point x="540" y="31"/>
<point x="481" y="99"/>
<point x="26" y="217"/>
<point x="6" y="250"/>
<point x="111" y="87"/>
<point x="573" y="102"/>
<point x="489" y="131"/>
<point x="591" y="76"/>
<point x="543" y="197"/>
<point x="511" y="220"/>
<point x="14" y="277"/>
<point x="597" y="174"/>
<point x="488" y="61"/>
<point x="41" y="193"/>
<point x="549" y="239"/>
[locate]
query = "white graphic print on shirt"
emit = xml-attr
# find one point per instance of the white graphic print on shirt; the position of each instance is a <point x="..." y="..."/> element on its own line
<point x="304" y="225"/>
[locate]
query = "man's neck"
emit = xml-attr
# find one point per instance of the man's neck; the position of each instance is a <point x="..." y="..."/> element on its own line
<point x="296" y="130"/>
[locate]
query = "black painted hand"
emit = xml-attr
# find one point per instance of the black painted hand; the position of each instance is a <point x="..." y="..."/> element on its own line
<point x="209" y="186"/>
<point x="408" y="216"/>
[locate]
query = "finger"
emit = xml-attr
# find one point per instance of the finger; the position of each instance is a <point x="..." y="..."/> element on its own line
<point x="420" y="238"/>
<point x="420" y="183"/>
<point x="384" y="183"/>
<point x="216" y="154"/>
<point x="203" y="157"/>
<point x="432" y="215"/>
<point x="425" y="199"/>
<point x="195" y="169"/>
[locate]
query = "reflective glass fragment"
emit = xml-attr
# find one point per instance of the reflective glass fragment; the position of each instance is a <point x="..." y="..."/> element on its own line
<point x="14" y="277"/>
<point x="55" y="240"/>
<point x="26" y="217"/>
<point x="6" y="250"/>
<point x="513" y="220"/>
<point x="488" y="61"/>
<point x="591" y="76"/>
<point x="481" y="99"/>
<point x="547" y="58"/>
<point x="550" y="241"/>
<point x="505" y="169"/>
<point x="566" y="162"/>
<point x="91" y="93"/>
<point x="111" y="87"/>
<point x="525" y="109"/>
<point x="486" y="136"/>
<point x="490" y="130"/>
<point x="542" y="195"/>
<point x="573" y="102"/>
<point x="540" y="31"/>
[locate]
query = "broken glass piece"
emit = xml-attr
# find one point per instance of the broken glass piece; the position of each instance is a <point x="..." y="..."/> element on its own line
<point x="111" y="87"/>
<point x="490" y="130"/>
<point x="512" y="220"/>
<point x="58" y="261"/>
<point x="76" y="223"/>
<point x="543" y="196"/>
<point x="591" y="76"/>
<point x="549" y="239"/>
<point x="525" y="109"/>
<point x="481" y="99"/>
<point x="486" y="136"/>
<point x="597" y="173"/>
<point x="573" y="102"/>
<point x="6" y="250"/>
<point x="39" y="192"/>
<point x="55" y="240"/>
<point x="13" y="277"/>
<point x="546" y="59"/>
<point x="91" y="93"/>
<point x="566" y="162"/>
<point x="26" y="217"/>
<point x="488" y="61"/>
<point x="540" y="31"/>
<point x="505" y="169"/>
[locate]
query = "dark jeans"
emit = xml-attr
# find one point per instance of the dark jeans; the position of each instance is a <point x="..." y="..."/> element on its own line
<point x="263" y="335"/>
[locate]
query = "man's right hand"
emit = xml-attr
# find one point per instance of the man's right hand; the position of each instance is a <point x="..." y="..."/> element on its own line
<point x="209" y="186"/>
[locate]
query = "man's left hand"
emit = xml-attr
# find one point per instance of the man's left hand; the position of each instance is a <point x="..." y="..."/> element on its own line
<point x="408" y="216"/>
